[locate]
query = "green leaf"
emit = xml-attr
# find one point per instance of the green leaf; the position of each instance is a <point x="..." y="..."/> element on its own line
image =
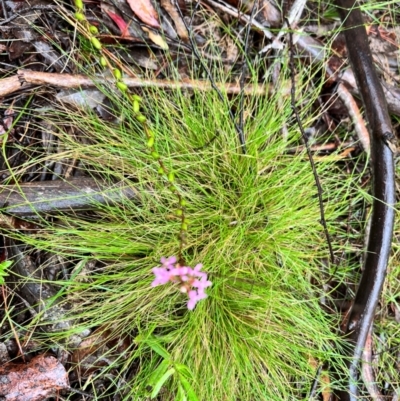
<point x="158" y="372"/>
<point x="159" y="349"/>
<point x="189" y="389"/>
<point x="183" y="370"/>
<point x="154" y="344"/>
<point x="181" y="396"/>
<point x="161" y="382"/>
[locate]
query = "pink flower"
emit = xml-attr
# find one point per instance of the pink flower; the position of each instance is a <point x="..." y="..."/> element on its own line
<point x="162" y="276"/>
<point x="168" y="262"/>
<point x="194" y="297"/>
<point x="201" y="284"/>
<point x="190" y="281"/>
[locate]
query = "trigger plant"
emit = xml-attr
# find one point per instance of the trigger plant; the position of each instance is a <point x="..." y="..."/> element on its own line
<point x="191" y="281"/>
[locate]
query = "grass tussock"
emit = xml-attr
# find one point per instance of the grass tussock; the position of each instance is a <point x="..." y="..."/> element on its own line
<point x="254" y="224"/>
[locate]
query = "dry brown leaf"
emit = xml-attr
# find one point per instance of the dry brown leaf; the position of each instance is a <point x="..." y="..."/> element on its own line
<point x="156" y="38"/>
<point x="144" y="10"/>
<point x="179" y="25"/>
<point x="33" y="381"/>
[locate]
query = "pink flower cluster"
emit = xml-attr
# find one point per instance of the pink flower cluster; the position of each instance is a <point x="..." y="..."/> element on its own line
<point x="191" y="281"/>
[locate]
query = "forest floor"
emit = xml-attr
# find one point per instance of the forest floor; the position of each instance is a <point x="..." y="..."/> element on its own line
<point x="186" y="196"/>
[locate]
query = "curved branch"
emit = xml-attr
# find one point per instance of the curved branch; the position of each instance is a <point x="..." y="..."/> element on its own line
<point x="382" y="166"/>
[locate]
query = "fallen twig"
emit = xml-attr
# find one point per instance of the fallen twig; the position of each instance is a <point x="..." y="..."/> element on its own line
<point x="326" y="147"/>
<point x="354" y="112"/>
<point x="71" y="81"/>
<point x="244" y="66"/>
<point x="383" y="190"/>
<point x="293" y="17"/>
<point x="243" y="17"/>
<point x="367" y="371"/>
<point x="10" y="85"/>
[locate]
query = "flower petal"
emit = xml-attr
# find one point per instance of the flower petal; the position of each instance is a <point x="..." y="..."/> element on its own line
<point x="198" y="267"/>
<point x="191" y="304"/>
<point x="171" y="260"/>
<point x="201" y="295"/>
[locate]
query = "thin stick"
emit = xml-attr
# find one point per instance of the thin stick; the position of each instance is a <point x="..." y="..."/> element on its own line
<point x="314" y="386"/>
<point x="292" y="19"/>
<point x="27" y="78"/>
<point x="309" y="154"/>
<point x="354" y="112"/>
<point x="368" y="373"/>
<point x="3" y="6"/>
<point x="242" y="17"/>
<point x="30" y="199"/>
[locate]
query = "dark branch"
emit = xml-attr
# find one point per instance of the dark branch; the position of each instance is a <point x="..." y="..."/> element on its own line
<point x="309" y="154"/>
<point x="383" y="191"/>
